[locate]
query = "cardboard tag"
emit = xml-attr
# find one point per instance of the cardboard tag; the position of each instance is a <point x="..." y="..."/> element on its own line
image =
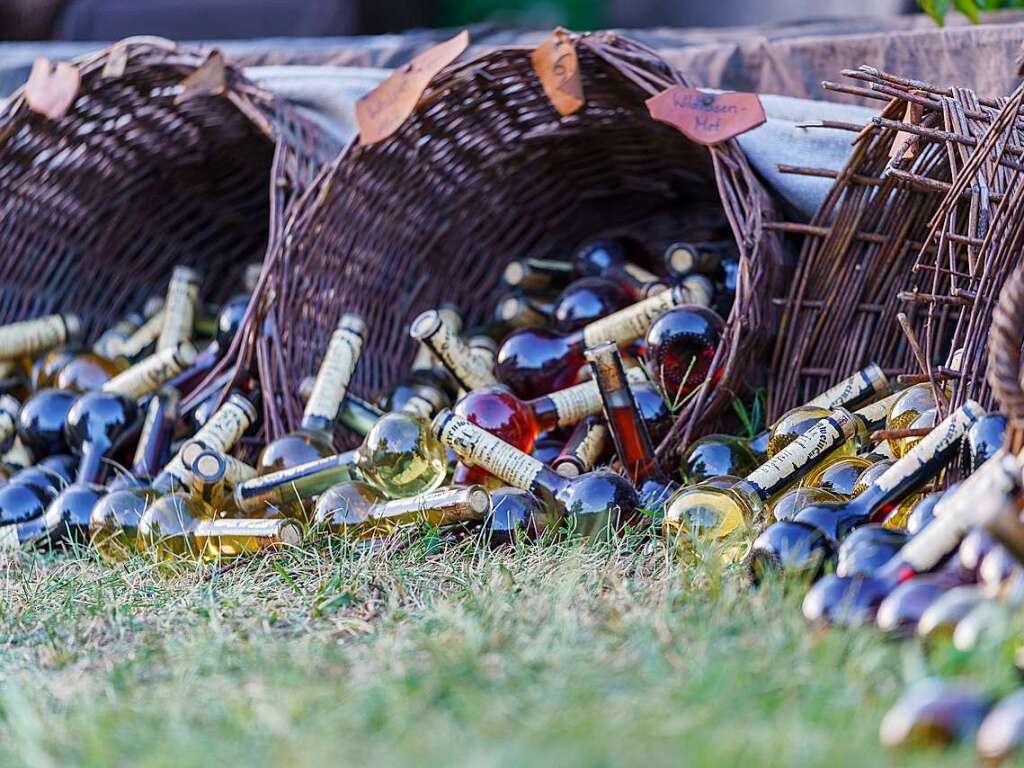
<point x="906" y="145"/>
<point x="117" y="61"/>
<point x="558" y="69"/>
<point x="208" y="79"/>
<point x="707" y="118"/>
<point x="382" y="111"/>
<point x="51" y="92"/>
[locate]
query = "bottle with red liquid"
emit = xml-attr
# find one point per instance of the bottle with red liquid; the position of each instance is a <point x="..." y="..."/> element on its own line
<point x="629" y="433"/>
<point x="680" y="347"/>
<point x="520" y="422"/>
<point x="586" y="300"/>
<point x="533" y="362"/>
<point x="585" y="448"/>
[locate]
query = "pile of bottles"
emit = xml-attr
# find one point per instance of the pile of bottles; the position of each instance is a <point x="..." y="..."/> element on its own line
<point x="882" y="538"/>
<point x="133" y="444"/>
<point x="543" y="420"/>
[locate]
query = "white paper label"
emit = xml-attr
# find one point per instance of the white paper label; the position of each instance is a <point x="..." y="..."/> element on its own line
<point x="630" y="323"/>
<point x="875" y="413"/>
<point x="865" y="382"/>
<point x="815" y="442"/>
<point x="9" y="537"/>
<point x="32" y="336"/>
<point x="220" y="433"/>
<point x="335" y="374"/>
<point x="148" y="375"/>
<point x="489" y="452"/>
<point x="936" y="442"/>
<point x="179" y="310"/>
<point x="472" y="371"/>
<point x="575" y="403"/>
<point x="982" y="498"/>
<point x="148" y="332"/>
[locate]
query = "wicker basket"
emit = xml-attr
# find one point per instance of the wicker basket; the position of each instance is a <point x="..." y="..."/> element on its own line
<point x="914" y="223"/>
<point x="486" y="171"/>
<point x="165" y="156"/>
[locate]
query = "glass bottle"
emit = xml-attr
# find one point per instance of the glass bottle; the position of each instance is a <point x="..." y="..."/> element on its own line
<point x="657" y="415"/>
<point x="791" y="549"/>
<point x="153" y="450"/>
<point x="143" y="339"/>
<point x="221" y="474"/>
<point x="402" y="457"/>
<point x="179" y="308"/>
<point x="86" y="371"/>
<point x="114" y="522"/>
<point x="177" y="527"/>
<point x="714" y="455"/>
<point x="358" y="510"/>
<point x="984" y="498"/>
<point x="916" y="409"/>
<point x="867" y="549"/>
<point x="314" y="438"/>
<point x="586" y="447"/>
<point x="152" y="372"/>
<point x="469" y="369"/>
<point x="537" y="274"/>
<point x="718" y="512"/>
<point x="590" y="503"/>
<point x="108" y="343"/>
<point x="852" y="391"/>
<point x="534" y="362"/>
<point x="933" y="713"/>
<point x="515" y="514"/>
<point x="629" y="432"/>
<point x="680" y="347"/>
<point x="586" y="300"/>
<point x="923" y="513"/>
<point x="682" y="259"/>
<point x="838" y="475"/>
<point x="228" y="321"/>
<point x="939" y="620"/>
<point x="33" y="337"/>
<point x="520" y="422"/>
<point x="900" y="612"/>
<point x="517" y="310"/>
<point x="870" y="474"/>
<point x="615" y="259"/>
<point x="9" y="410"/>
<point x="285" y="492"/>
<point x="1002" y="731"/>
<point x="354" y="413"/>
<point x="925" y="460"/>
<point x="792" y="502"/>
<point x="984" y="438"/>
<point x="546" y="449"/>
<point x="428" y="371"/>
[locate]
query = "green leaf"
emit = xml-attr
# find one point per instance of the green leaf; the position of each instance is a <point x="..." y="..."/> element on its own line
<point x="937" y="9"/>
<point x="969" y="9"/>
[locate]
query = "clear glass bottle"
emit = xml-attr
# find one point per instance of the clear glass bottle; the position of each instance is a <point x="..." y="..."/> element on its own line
<point x="179" y="310"/>
<point x="314" y="438"/>
<point x="469" y="369"/>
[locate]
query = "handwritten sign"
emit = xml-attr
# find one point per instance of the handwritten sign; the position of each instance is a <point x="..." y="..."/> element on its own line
<point x="382" y="111"/>
<point x="51" y="91"/>
<point x="707" y="118"/>
<point x="558" y="69"/>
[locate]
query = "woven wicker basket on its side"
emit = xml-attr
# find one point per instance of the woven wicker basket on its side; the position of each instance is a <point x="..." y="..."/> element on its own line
<point x="486" y="171"/>
<point x="99" y="204"/>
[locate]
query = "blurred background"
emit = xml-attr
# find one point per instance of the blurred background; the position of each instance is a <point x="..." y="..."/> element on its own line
<point x="98" y="20"/>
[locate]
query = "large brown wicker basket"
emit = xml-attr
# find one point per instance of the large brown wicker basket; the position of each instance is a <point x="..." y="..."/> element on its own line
<point x="485" y="171"/>
<point x="919" y="221"/>
<point x="165" y="156"/>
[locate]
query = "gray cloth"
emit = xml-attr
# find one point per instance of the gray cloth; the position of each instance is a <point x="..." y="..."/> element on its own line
<point x="329" y="94"/>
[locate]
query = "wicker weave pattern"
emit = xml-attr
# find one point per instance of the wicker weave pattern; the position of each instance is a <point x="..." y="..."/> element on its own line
<point x="99" y="205"/>
<point x="906" y="228"/>
<point x="483" y="172"/>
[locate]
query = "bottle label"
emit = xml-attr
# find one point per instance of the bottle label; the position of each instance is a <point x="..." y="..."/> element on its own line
<point x="9" y="537"/>
<point x="149" y="374"/>
<point x="472" y="371"/>
<point x="32" y="336"/>
<point x="274" y="530"/>
<point x="586" y="453"/>
<point x="577" y="402"/>
<point x="179" y="309"/>
<point x="148" y="332"/>
<point x="698" y="290"/>
<point x="933" y="449"/>
<point x="418" y="406"/>
<point x="800" y="455"/>
<point x="630" y="323"/>
<point x="983" y="498"/>
<point x="640" y="274"/>
<point x="488" y="452"/>
<point x="335" y="374"/>
<point x="237" y="471"/>
<point x="220" y="433"/>
<point x="874" y="415"/>
<point x="290" y="484"/>
<point x="861" y="385"/>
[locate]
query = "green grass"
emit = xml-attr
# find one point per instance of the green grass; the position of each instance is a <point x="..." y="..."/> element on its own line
<point x="569" y="654"/>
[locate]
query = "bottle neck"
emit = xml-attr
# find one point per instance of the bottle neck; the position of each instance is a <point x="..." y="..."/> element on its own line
<point x="294" y="484"/>
<point x="569" y="406"/>
<point x="91" y="467"/>
<point x="629" y="432"/>
<point x="151" y="452"/>
<point x="441" y="507"/>
<point x="333" y="378"/>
